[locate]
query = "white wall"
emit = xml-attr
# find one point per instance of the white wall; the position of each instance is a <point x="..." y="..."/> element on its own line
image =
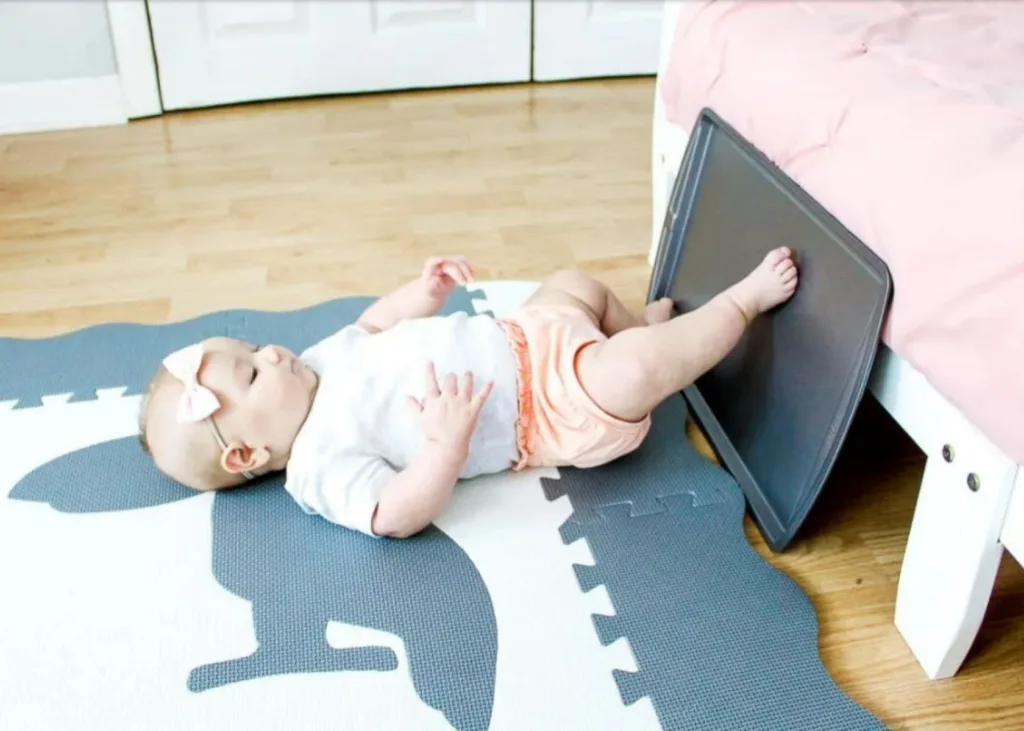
<point x="46" y="40"/>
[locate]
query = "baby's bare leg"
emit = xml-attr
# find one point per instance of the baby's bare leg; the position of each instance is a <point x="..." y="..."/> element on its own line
<point x="577" y="289"/>
<point x="636" y="369"/>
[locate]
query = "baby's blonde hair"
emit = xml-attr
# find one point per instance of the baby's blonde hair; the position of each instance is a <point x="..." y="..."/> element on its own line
<point x="201" y="469"/>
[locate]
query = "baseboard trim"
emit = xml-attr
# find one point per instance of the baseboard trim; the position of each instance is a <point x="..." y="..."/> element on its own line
<point x="41" y="106"/>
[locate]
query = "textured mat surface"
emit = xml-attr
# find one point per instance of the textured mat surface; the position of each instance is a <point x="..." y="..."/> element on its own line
<point x="622" y="597"/>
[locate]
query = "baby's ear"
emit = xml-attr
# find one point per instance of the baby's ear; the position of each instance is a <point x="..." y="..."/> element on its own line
<point x="238" y="458"/>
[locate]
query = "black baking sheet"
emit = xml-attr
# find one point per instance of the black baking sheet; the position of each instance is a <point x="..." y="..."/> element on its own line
<point x="777" y="409"/>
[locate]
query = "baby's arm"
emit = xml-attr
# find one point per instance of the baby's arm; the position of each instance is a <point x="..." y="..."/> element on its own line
<point x="422" y="297"/>
<point x="411" y="500"/>
<point x="418" y="494"/>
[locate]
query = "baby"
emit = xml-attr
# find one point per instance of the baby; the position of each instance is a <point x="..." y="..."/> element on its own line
<point x="376" y="423"/>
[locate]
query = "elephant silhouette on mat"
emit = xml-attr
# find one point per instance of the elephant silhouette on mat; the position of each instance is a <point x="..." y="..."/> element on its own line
<point x="301" y="572"/>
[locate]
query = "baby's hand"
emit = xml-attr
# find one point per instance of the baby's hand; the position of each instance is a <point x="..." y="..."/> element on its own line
<point x="442" y="273"/>
<point x="448" y="414"/>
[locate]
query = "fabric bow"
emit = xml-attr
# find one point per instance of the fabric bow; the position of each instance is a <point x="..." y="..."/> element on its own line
<point x="197" y="402"/>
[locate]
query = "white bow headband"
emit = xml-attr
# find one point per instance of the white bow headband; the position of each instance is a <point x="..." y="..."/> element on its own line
<point x="197" y="402"/>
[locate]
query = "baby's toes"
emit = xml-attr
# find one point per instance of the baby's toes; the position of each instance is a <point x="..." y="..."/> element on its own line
<point x="784" y="260"/>
<point x="787" y="273"/>
<point x="776" y="257"/>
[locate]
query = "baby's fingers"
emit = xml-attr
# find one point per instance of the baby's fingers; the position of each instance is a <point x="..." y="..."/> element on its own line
<point x="478" y="400"/>
<point x="433" y="265"/>
<point x="456" y="272"/>
<point x="466" y="388"/>
<point x="467" y="271"/>
<point x="459" y="269"/>
<point x="432" y="391"/>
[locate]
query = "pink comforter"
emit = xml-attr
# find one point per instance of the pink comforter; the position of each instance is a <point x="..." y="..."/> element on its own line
<point x="906" y="121"/>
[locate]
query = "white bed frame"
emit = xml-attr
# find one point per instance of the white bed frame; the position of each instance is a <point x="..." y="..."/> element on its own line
<point x="971" y="503"/>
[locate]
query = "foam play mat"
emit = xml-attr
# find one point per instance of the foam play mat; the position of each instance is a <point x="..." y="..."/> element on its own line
<point x="624" y="597"/>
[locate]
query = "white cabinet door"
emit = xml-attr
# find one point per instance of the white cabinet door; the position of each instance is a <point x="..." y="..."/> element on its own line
<point x="225" y="51"/>
<point x="586" y="38"/>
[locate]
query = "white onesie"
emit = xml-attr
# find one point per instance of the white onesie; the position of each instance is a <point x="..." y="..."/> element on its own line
<point x="360" y="429"/>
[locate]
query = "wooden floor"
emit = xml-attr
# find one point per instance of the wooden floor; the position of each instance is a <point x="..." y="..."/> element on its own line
<point x="283" y="205"/>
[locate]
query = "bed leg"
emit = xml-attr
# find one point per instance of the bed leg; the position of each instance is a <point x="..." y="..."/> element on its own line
<point x="953" y="552"/>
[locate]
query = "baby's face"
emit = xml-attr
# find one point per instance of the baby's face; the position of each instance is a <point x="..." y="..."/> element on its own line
<point x="265" y="393"/>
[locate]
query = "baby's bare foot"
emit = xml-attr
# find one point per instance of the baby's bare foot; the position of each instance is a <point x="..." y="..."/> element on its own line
<point x="771" y="283"/>
<point x="658" y="311"/>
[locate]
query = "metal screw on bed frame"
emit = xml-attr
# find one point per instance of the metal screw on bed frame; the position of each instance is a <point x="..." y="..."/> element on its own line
<point x="947" y="452"/>
<point x="973" y="482"/>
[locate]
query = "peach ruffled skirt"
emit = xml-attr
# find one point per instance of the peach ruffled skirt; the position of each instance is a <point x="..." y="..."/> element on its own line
<point x="559" y="423"/>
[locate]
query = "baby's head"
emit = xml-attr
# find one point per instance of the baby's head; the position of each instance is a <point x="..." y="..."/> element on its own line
<point x="222" y="411"/>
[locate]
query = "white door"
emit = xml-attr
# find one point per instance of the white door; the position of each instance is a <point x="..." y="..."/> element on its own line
<point x="225" y="51"/>
<point x="586" y="38"/>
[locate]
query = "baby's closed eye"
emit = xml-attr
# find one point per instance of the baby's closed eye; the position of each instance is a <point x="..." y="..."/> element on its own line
<point x="255" y="370"/>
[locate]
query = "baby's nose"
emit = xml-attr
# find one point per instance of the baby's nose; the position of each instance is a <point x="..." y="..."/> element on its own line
<point x="273" y="355"/>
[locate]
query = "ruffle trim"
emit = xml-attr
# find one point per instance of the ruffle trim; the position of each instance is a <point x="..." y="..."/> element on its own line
<point x="526" y="424"/>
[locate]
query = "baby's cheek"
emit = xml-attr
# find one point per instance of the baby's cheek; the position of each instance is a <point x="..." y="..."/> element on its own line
<point x="271" y="406"/>
<point x="261" y="422"/>
<point x="287" y="398"/>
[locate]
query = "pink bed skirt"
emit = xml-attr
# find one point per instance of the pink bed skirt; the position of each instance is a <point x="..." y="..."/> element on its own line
<point x="906" y="121"/>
